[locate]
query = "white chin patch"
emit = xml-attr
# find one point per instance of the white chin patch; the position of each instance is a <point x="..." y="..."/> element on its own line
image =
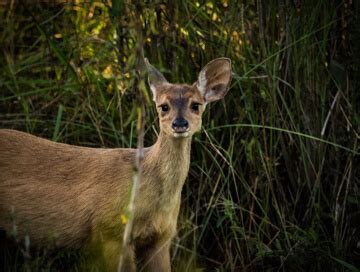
<point x="181" y="135"/>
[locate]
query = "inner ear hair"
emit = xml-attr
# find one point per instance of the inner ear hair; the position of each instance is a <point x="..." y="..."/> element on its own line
<point x="214" y="79"/>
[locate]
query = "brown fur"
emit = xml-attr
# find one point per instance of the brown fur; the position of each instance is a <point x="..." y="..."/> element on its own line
<point x="74" y="196"/>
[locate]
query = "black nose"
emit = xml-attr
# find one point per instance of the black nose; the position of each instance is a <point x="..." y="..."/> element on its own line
<point x="180" y="124"/>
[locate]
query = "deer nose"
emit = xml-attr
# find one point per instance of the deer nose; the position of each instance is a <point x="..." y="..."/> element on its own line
<point x="180" y="125"/>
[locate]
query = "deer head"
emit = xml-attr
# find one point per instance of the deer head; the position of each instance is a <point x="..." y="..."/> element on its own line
<point x="180" y="106"/>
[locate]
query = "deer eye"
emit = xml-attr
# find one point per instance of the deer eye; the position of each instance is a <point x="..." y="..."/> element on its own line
<point x="164" y="108"/>
<point x="195" y="106"/>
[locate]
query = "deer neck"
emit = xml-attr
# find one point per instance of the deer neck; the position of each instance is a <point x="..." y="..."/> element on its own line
<point x="171" y="156"/>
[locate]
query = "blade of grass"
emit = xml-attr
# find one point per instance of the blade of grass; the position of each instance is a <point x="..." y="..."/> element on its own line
<point x="56" y="134"/>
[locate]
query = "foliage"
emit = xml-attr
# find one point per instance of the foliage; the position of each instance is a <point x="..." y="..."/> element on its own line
<point x="274" y="179"/>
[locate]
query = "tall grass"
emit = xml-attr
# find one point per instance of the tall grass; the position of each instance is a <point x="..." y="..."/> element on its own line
<point x="274" y="179"/>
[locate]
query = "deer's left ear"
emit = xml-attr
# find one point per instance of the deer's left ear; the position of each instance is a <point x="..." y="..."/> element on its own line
<point x="214" y="79"/>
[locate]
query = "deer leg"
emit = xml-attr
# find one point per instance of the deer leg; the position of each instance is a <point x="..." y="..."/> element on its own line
<point x="155" y="258"/>
<point x="111" y="253"/>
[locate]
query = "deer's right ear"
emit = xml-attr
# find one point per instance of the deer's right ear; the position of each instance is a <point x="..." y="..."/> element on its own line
<point x="155" y="78"/>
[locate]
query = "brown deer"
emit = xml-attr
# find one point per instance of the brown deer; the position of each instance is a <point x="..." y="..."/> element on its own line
<point x="74" y="196"/>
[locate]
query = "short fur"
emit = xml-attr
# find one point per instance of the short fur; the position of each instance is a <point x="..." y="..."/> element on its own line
<point x="74" y="196"/>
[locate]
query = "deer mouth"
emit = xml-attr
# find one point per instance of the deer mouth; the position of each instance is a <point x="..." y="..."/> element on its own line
<point x="180" y="132"/>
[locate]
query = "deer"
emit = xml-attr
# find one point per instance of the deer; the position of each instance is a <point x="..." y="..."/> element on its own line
<point x="74" y="196"/>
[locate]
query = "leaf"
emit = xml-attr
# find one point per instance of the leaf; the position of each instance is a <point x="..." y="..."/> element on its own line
<point x="345" y="264"/>
<point x="56" y="135"/>
<point x="338" y="72"/>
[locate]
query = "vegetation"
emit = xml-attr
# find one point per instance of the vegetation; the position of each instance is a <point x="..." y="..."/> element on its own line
<point x="275" y="177"/>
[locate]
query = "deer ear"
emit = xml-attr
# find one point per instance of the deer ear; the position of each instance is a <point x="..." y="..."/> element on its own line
<point x="214" y="79"/>
<point x="155" y="78"/>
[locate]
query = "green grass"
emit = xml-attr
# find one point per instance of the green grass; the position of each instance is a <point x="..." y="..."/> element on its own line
<point x="274" y="179"/>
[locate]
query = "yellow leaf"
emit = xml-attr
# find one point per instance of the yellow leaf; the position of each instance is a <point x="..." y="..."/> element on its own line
<point x="110" y="88"/>
<point x="214" y="16"/>
<point x="225" y="3"/>
<point x="184" y="31"/>
<point x="210" y="5"/>
<point x="124" y="219"/>
<point x="107" y="73"/>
